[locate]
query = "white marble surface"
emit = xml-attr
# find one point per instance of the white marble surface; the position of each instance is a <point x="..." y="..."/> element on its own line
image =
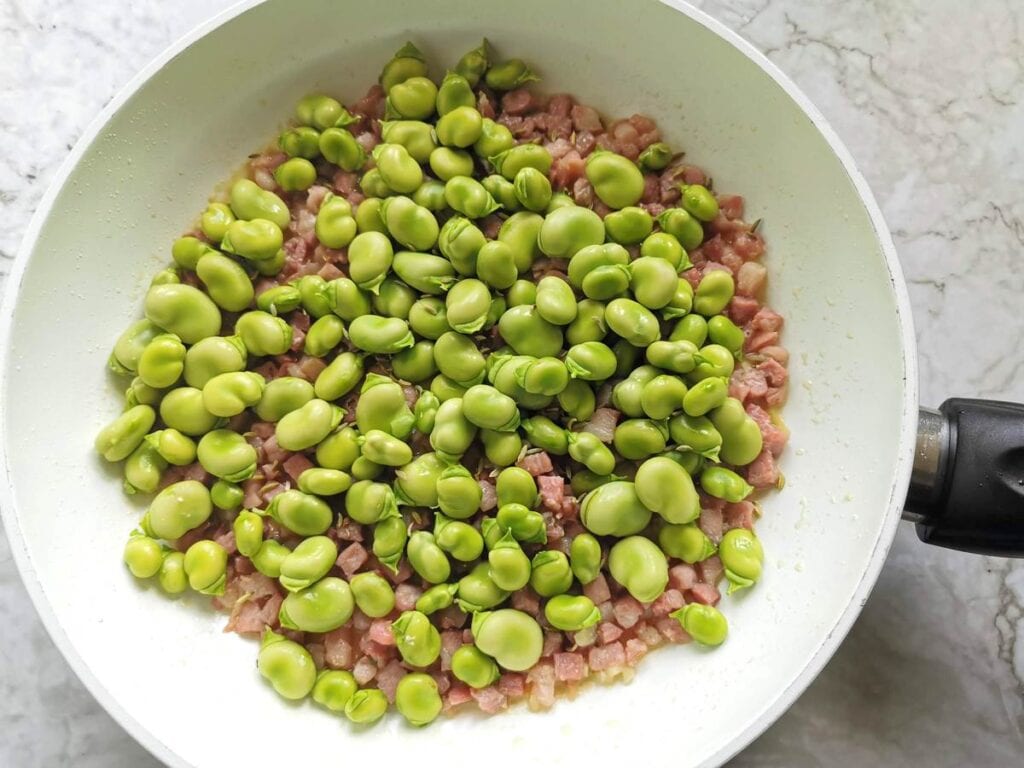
<point x="929" y="97"/>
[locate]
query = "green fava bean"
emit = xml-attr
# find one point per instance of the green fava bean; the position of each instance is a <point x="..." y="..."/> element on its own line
<point x="372" y="184"/>
<point x="428" y="318"/>
<point x="501" y="448"/>
<point x="417" y="698"/>
<point x="295" y="175"/>
<point x="173" y="447"/>
<point x="567" y="230"/>
<point x="616" y="180"/>
<point x="344" y="299"/>
<point x="550" y="574"/>
<point x="250" y="201"/>
<point x="424" y="272"/>
<point x="458" y="358"/>
<point x="258" y="240"/>
<point x="555" y="300"/>
<point x="323" y="482"/>
<point x="315" y="293"/>
<point x="307" y="425"/>
<point x="486" y="407"/>
<point x="227" y="496"/>
<point x="590" y="323"/>
<point x="269" y="557"/>
<point x="323" y="336"/>
<point x="407" y="62"/>
<point x="704" y="623"/>
<point x="653" y="281"/>
<point x="309" y="562"/>
<point x="495" y="265"/>
<point x="587" y="449"/>
<point x="183" y="409"/>
<point x="416" y="136"/>
<point x="696" y="434"/>
<point x="427" y="558"/>
<point x="542" y="432"/>
<point x="123" y="435"/>
<point x="590" y="361"/>
<point x="632" y="321"/>
<point x="381" y="448"/>
<point x="477" y="592"/>
<point x="516" y="486"/>
<point x="585" y="557"/>
<point x="171" y="577"/>
<point x="494" y="139"/>
<point x="532" y="189"/>
<point x="512" y="638"/>
<point x="227" y="455"/>
<point x="509" y="567"/>
<point x="606" y="282"/>
<point x="530" y="334"/>
<point x="724" y="332"/>
<point x="128" y="348"/>
<point x="334" y="688"/>
<point x="474" y="63"/>
<point x="548" y="375"/>
<point x="416" y="481"/>
<point x="178" y="509"/>
<point x="162" y="361"/>
<point x="322" y="111"/>
<point x="366" y="706"/>
<point x="453" y="433"/>
<point x="626" y="394"/>
<point x="212" y="356"/>
<point x="143" y="556"/>
<point x="182" y="310"/>
<point x="139" y="393"/>
<point x="458" y="493"/>
<point x="743" y="558"/>
<point x="335" y="227"/>
<point x="655" y="157"/>
<point x="461" y="540"/>
<point x="665" y="487"/>
<point x="626" y="357"/>
<point x="460" y="240"/>
<point x="380" y="335"/>
<point x="339" y="449"/>
<point x="333" y="382"/>
<point x="578" y="400"/>
<point x="368" y="502"/>
<point x="614" y="509"/>
<point x="509" y="75"/>
<point x="699" y="202"/>
<point x="373" y="594"/>
<point x="447" y="163"/>
<point x="455" y="91"/>
<point x="469" y="197"/>
<point x="426" y="407"/>
<point x="461" y="126"/>
<point x="571" y="613"/>
<point x="636" y="439"/>
<point x="430" y="195"/>
<point x="467" y="305"/>
<point x="715" y="361"/>
<point x="662" y="245"/>
<point x="282" y="396"/>
<point x="302" y="141"/>
<point x="340" y="147"/>
<point x="206" y="564"/>
<point x="382" y="405"/>
<point x="675" y="356"/>
<point x="186" y="252"/>
<point x="510" y="162"/>
<point x="714" y="292"/>
<point x="473" y="667"/>
<point x="692" y="328"/>
<point x="415" y="364"/>
<point x="520" y="232"/>
<point x="411" y="225"/>
<point x="301" y="513"/>
<point x="681" y="225"/>
<point x="686" y="542"/>
<point x="628" y="226"/>
<point x="229" y="394"/>
<point x="320" y="607"/>
<point x="418" y="641"/>
<point x="413" y="99"/>
<point x="398" y="168"/>
<point x="662" y="396"/>
<point x="560" y="200"/>
<point x="638" y="565"/>
<point x="370" y="256"/>
<point x="248" y="530"/>
<point x="705" y="395"/>
<point x="725" y="484"/>
<point x="287" y="666"/>
<point x="263" y="334"/>
<point x="215" y="221"/>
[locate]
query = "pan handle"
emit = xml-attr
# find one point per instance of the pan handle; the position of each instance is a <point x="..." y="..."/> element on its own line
<point x="967" y="486"/>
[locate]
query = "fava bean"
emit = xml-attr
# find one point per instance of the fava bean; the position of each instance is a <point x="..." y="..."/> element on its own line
<point x="614" y="509"/>
<point x="287" y="666"/>
<point x="704" y="623"/>
<point x="585" y="557"/>
<point x="512" y="638"/>
<point x="638" y="565"/>
<point x="571" y="613"/>
<point x="418" y="641"/>
<point x="372" y="594"/>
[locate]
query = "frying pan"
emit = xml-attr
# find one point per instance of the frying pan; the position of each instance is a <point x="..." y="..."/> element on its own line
<point x="190" y="693"/>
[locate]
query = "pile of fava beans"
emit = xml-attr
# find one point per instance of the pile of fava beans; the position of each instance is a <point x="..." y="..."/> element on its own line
<point x="441" y="363"/>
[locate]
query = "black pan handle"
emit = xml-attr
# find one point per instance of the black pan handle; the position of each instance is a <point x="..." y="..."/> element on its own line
<point x="967" y="487"/>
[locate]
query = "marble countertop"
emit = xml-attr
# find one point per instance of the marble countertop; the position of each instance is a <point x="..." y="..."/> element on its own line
<point x="929" y="97"/>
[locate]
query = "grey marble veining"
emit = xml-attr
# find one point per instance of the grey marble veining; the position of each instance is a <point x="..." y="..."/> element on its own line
<point x="929" y="97"/>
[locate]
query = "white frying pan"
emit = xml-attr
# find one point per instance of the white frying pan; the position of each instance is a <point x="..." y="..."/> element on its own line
<point x="190" y="693"/>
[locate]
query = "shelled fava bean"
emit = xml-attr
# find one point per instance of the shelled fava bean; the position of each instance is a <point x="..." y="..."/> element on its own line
<point x="503" y="365"/>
